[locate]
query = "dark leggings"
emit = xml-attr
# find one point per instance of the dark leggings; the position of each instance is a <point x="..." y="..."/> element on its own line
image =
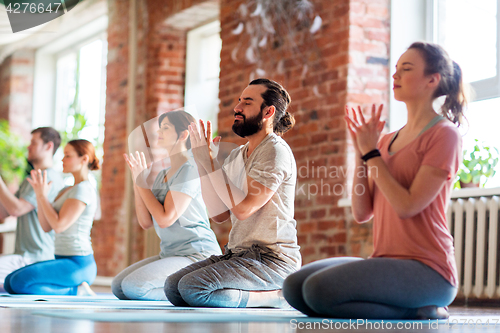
<point x="376" y="288"/>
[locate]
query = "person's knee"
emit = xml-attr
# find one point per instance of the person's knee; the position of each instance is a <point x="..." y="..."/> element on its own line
<point x="7" y="285"/>
<point x="135" y="287"/>
<point x="317" y="295"/>
<point x="171" y="289"/>
<point x="116" y="288"/>
<point x="292" y="287"/>
<point x="193" y="291"/>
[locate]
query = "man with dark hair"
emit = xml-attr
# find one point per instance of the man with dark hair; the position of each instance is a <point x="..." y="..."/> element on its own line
<point x="48" y="134"/>
<point x="32" y="243"/>
<point x="255" y="189"/>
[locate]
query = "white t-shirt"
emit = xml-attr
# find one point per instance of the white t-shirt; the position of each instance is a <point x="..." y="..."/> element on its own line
<point x="75" y="241"/>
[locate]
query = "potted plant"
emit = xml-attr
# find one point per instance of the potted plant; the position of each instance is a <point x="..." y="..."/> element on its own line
<point x="477" y="166"/>
<point x="13" y="162"/>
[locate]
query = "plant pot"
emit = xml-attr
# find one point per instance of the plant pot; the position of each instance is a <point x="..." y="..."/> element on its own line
<point x="469" y="185"/>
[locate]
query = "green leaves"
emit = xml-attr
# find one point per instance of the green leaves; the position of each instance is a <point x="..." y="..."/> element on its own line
<point x="76" y="119"/>
<point x="12" y="154"/>
<point x="478" y="164"/>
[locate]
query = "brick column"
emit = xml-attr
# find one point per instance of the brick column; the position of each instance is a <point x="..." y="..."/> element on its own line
<point x="16" y="91"/>
<point x="109" y="234"/>
<point x="368" y="83"/>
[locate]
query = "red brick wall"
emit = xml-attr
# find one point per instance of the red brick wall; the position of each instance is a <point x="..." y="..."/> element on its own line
<point x="166" y="70"/>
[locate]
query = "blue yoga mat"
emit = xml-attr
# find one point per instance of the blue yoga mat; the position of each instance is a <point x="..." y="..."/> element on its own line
<point x="294" y="318"/>
<point x="173" y="317"/>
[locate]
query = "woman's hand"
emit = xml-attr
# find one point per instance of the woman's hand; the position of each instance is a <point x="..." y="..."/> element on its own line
<point x="137" y="164"/>
<point x="365" y="134"/>
<point x="39" y="182"/>
<point x="204" y="148"/>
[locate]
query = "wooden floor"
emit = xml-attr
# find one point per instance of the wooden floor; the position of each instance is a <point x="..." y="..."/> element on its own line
<point x="463" y="319"/>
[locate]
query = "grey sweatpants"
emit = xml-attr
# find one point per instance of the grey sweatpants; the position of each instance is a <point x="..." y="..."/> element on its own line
<point x="145" y="279"/>
<point x="225" y="281"/>
<point x="377" y="288"/>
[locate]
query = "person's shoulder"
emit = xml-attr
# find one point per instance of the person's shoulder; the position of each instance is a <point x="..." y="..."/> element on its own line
<point x="446" y="128"/>
<point x="55" y="176"/>
<point x="85" y="186"/>
<point x="386" y="137"/>
<point x="188" y="168"/>
<point x="233" y="154"/>
<point x="276" y="142"/>
<point x="277" y="148"/>
<point x="86" y="191"/>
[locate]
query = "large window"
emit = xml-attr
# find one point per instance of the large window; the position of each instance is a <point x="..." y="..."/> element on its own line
<point x="80" y="90"/>
<point x="469" y="31"/>
<point x="202" y="71"/>
<point x="80" y="96"/>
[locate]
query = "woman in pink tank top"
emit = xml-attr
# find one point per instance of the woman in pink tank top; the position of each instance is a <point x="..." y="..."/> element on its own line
<point x="411" y="273"/>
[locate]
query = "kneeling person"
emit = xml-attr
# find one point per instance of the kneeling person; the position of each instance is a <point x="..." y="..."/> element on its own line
<point x="255" y="188"/>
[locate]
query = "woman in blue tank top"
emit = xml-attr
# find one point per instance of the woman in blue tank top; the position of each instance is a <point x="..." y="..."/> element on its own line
<point x="71" y="216"/>
<point x="174" y="207"/>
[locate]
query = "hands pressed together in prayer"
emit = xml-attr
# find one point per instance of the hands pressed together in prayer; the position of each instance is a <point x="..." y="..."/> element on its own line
<point x="364" y="133"/>
<point x="39" y="182"/>
<point x="137" y="164"/>
<point x="204" y="148"/>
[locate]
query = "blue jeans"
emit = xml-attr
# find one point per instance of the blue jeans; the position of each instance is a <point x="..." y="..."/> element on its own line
<point x="227" y="280"/>
<point x="61" y="276"/>
<point x="376" y="288"/>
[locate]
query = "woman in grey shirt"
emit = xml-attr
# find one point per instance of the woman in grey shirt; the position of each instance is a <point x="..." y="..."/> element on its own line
<point x="175" y="208"/>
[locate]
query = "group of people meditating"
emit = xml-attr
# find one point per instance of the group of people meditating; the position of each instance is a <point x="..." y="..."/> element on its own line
<point x="408" y="181"/>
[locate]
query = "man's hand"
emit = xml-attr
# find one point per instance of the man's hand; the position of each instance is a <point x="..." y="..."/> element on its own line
<point x="204" y="148"/>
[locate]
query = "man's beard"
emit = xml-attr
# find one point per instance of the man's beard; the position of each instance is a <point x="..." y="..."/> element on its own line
<point x="247" y="127"/>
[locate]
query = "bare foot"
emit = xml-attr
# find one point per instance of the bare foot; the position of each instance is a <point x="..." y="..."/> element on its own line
<point x="85" y="290"/>
<point x="432" y="312"/>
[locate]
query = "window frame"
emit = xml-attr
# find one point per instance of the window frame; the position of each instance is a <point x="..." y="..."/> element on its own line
<point x="483" y="89"/>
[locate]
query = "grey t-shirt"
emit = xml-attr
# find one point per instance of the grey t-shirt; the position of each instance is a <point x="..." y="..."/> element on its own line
<point x="272" y="164"/>
<point x="191" y="233"/>
<point x="32" y="242"/>
<point x="75" y="241"/>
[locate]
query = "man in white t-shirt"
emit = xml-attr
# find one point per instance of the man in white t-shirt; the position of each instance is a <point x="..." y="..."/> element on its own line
<point x="32" y="243"/>
<point x="255" y="189"/>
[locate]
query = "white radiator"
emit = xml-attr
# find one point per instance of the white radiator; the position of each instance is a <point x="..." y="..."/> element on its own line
<point x="473" y="222"/>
